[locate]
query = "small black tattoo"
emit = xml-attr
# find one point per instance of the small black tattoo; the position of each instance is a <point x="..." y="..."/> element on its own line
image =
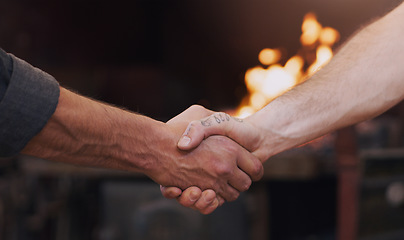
<point x="189" y="128"/>
<point x="222" y="117"/>
<point x="207" y="122"/>
<point x="217" y="119"/>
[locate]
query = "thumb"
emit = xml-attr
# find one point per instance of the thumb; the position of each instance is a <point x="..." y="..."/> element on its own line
<point x="216" y="124"/>
<point x="170" y="192"/>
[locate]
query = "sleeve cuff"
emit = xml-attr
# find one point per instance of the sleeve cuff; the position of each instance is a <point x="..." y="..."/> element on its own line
<point x="30" y="100"/>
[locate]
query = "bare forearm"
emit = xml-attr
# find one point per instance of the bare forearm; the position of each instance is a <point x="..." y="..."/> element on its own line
<point x="85" y="132"/>
<point x="363" y="80"/>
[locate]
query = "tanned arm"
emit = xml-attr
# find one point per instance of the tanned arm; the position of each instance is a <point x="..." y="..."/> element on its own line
<point x="87" y="132"/>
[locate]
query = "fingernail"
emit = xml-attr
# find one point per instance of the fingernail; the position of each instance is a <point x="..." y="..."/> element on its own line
<point x="193" y="196"/>
<point x="209" y="198"/>
<point x="184" y="141"/>
<point x="215" y="203"/>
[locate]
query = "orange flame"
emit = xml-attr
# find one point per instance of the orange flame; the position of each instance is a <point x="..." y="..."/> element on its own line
<point x="265" y="84"/>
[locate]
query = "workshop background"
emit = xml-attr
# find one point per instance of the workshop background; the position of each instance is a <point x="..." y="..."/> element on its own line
<point x="158" y="57"/>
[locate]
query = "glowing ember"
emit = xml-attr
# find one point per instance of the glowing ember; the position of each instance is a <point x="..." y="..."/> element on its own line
<point x="265" y="84"/>
<point x="269" y="56"/>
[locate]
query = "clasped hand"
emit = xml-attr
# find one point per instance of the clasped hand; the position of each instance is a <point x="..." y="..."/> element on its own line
<point x="237" y="150"/>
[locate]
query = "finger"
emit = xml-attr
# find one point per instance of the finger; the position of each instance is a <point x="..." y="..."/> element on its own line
<point x="240" y="181"/>
<point x="190" y="196"/>
<point x="221" y="200"/>
<point x="216" y="124"/>
<point x="251" y="165"/>
<point x="212" y="207"/>
<point x="230" y="193"/>
<point x="170" y="192"/>
<point x="207" y="203"/>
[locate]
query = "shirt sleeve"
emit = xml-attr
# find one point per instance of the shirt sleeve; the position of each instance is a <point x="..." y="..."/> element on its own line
<point x="5" y="71"/>
<point x="29" y="100"/>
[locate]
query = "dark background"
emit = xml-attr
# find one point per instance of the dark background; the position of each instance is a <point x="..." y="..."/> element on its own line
<point x="157" y="56"/>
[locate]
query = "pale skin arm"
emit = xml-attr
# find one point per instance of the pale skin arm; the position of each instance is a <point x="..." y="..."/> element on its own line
<point x="90" y="133"/>
<point x="363" y="80"/>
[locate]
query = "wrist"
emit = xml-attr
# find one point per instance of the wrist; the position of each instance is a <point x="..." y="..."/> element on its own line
<point x="86" y="132"/>
<point x="278" y="129"/>
<point x="140" y="144"/>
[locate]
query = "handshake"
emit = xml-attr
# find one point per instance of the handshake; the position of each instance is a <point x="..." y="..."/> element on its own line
<point x="218" y="157"/>
<point x="200" y="157"/>
<point x="204" y="158"/>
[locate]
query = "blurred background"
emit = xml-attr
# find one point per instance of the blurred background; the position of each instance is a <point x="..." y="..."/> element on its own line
<point x="159" y="57"/>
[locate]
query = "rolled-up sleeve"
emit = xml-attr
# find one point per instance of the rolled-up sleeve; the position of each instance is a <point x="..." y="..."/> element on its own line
<point x="29" y="101"/>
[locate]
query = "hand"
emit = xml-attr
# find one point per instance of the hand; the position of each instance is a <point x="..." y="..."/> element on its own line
<point x="218" y="163"/>
<point x="243" y="131"/>
<point x="193" y="197"/>
<point x="205" y="202"/>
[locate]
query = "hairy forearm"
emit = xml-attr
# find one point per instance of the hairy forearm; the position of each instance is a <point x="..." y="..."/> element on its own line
<point x="364" y="79"/>
<point x="86" y="132"/>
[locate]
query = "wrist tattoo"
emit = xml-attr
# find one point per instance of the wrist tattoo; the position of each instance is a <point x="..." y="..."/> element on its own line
<point x="219" y="118"/>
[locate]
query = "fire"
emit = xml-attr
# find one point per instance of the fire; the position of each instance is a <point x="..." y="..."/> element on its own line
<point x="265" y="83"/>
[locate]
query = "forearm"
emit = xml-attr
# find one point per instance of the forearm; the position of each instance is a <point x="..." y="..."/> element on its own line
<point x="364" y="79"/>
<point x="86" y="132"/>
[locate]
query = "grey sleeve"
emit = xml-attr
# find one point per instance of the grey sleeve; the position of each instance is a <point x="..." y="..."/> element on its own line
<point x="30" y="100"/>
<point x="6" y="66"/>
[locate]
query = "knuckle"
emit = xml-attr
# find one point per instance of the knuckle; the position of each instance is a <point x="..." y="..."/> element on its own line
<point x="196" y="107"/>
<point x="258" y="171"/>
<point x="223" y="170"/>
